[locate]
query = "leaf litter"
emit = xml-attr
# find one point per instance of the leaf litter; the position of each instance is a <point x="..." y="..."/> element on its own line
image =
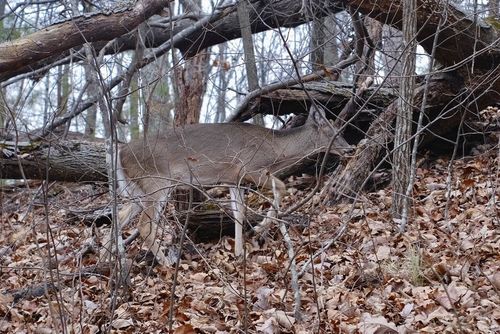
<point x="441" y="275"/>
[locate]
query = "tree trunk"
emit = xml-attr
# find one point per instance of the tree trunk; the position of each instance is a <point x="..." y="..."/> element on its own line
<point x="62" y="90"/>
<point x="58" y="161"/>
<point x="317" y="43"/>
<point x="191" y="83"/>
<point x="392" y="47"/>
<point x="134" y="108"/>
<point x="402" y="138"/>
<point x="375" y="29"/>
<point x="3" y="107"/>
<point x="75" y="32"/>
<point x="223" y="76"/>
<point x="493" y="8"/>
<point x="92" y="92"/>
<point x="248" y="50"/>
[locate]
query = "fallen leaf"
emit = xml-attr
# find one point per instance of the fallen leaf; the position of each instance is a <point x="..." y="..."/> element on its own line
<point x="407" y="309"/>
<point x="383" y="252"/>
<point x="185" y="329"/>
<point x="122" y="323"/>
<point x="284" y="319"/>
<point x="270" y="326"/>
<point x="495" y="280"/>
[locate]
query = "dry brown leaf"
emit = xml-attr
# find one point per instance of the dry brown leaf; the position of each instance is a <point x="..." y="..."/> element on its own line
<point x="371" y="324"/>
<point x="270" y="326"/>
<point x="383" y="252"/>
<point x="284" y="319"/>
<point x="199" y="277"/>
<point x="5" y="326"/>
<point x="6" y="299"/>
<point x="262" y="302"/>
<point x="122" y="323"/>
<point x="43" y="330"/>
<point x="407" y="309"/>
<point x="495" y="280"/>
<point x="441" y="315"/>
<point x="184" y="329"/>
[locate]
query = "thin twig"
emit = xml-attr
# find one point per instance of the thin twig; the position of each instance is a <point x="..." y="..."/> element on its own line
<point x="293" y="271"/>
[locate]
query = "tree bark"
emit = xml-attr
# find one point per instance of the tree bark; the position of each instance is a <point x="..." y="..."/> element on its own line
<point x="333" y="95"/>
<point x="191" y="86"/>
<point x="223" y="77"/>
<point x="460" y="39"/>
<point x="493" y="6"/>
<point x="56" y="161"/>
<point x="402" y="138"/>
<point x="75" y="32"/>
<point x="91" y="78"/>
<point x="191" y="83"/>
<point x="134" y="109"/>
<point x="248" y="50"/>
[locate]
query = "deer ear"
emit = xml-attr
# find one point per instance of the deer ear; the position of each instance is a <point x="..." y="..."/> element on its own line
<point x="316" y="116"/>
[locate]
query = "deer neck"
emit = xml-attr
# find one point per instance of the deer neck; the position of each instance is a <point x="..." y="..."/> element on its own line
<point x="293" y="145"/>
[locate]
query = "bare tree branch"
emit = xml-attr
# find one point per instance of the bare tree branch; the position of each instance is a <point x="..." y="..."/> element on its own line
<point x="86" y="28"/>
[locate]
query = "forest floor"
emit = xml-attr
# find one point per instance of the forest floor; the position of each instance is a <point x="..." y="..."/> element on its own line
<point x="441" y="275"/>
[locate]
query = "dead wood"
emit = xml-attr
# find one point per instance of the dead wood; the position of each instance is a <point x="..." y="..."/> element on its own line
<point x="222" y="28"/>
<point x="331" y="94"/>
<point x="461" y="40"/>
<point x="32" y="291"/>
<point x="43" y="288"/>
<point x="442" y="115"/>
<point x="55" y="161"/>
<point x="77" y="31"/>
<point x="204" y="224"/>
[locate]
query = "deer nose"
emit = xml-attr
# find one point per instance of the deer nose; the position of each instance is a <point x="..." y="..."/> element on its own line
<point x="348" y="151"/>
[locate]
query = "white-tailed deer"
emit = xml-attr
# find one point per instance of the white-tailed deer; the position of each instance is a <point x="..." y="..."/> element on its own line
<point x="211" y="154"/>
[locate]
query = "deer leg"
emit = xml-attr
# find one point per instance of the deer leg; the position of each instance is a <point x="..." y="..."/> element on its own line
<point x="279" y="189"/>
<point x="238" y="208"/>
<point x="125" y="215"/>
<point x="148" y="229"/>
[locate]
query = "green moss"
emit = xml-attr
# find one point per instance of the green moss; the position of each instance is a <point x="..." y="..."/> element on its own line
<point x="493" y="21"/>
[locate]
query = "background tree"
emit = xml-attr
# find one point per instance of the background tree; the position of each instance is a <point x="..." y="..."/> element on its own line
<point x="402" y="139"/>
<point x="190" y="79"/>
